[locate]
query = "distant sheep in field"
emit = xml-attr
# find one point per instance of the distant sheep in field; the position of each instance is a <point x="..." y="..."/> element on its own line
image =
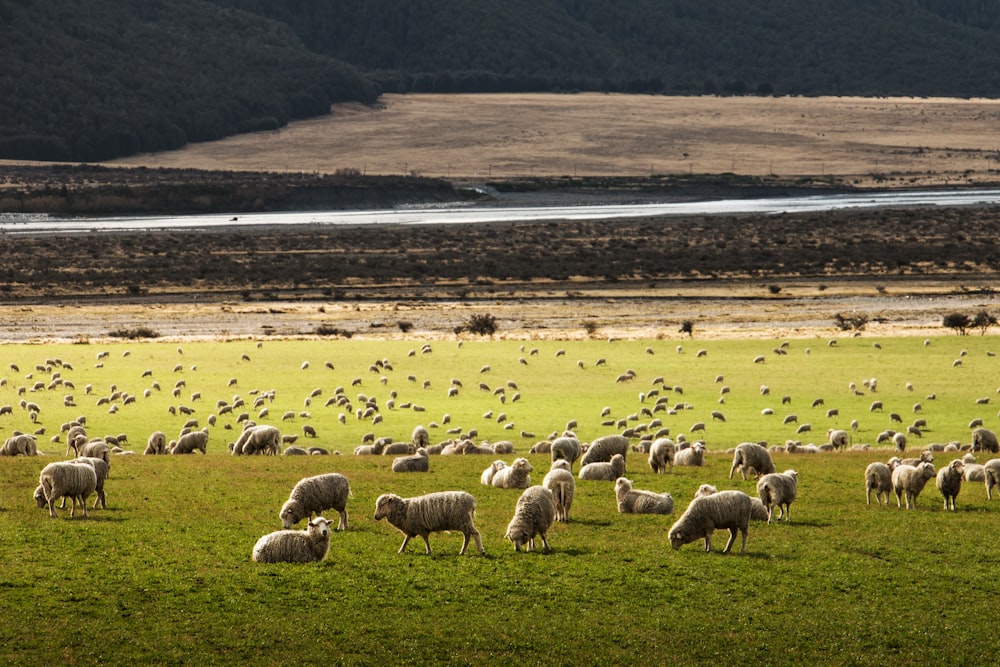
<point x="566" y="448"/>
<point x="725" y="509"/>
<point x="899" y="441"/>
<point x="418" y="462"/>
<point x="750" y="455"/>
<point x="985" y="440"/>
<point x="949" y="482"/>
<point x="603" y="448"/>
<point x="258" y="439"/>
<point x="878" y="478"/>
<point x="605" y="471"/>
<point x="839" y="438"/>
<point x="778" y="490"/>
<point x="313" y="495"/>
<point x="65" y="479"/>
<point x="190" y="443"/>
<point x="420" y="436"/>
<point x="514" y="476"/>
<point x="533" y="515"/>
<point x="295" y="546"/>
<point x="661" y="455"/>
<point x="156" y="444"/>
<point x="909" y="481"/>
<point x="560" y="481"/>
<point x="691" y="456"/>
<point x="636" y="501"/>
<point x="433" y="512"/>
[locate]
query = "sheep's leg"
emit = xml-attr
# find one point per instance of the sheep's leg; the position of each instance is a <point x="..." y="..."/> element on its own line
<point x="708" y="541"/>
<point x="342" y="525"/>
<point x="732" y="539"/>
<point x="52" y="508"/>
<point x="427" y="545"/>
<point x="545" y="542"/>
<point x="479" y="541"/>
<point x="743" y="547"/>
<point x="868" y="496"/>
<point x="406" y="540"/>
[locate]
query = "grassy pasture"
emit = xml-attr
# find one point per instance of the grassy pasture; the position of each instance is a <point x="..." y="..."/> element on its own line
<point x="163" y="576"/>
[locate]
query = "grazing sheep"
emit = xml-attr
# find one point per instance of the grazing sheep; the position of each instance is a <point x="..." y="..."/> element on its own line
<point x="661" y="455"/>
<point x="566" y="448"/>
<point x="974" y="472"/>
<point x="604" y="471"/>
<point x="991" y="475"/>
<point x="65" y="479"/>
<point x="986" y="440"/>
<point x="604" y="448"/>
<point x="757" y="510"/>
<point x="910" y="480"/>
<point x="295" y="546"/>
<point x="560" y="481"/>
<point x="313" y="495"/>
<point x="778" y="490"/>
<point x="878" y="478"/>
<point x="839" y="438"/>
<point x="258" y="439"/>
<point x="157" y="443"/>
<point x="514" y="476"/>
<point x="486" y="478"/>
<point x="295" y="450"/>
<point x="533" y="515"/>
<point x="691" y="456"/>
<point x="190" y="442"/>
<point x="725" y="509"/>
<point x="750" y="455"/>
<point x="418" y="462"/>
<point x="949" y="482"/>
<point x="20" y="444"/>
<point x="420" y="437"/>
<point x="636" y="501"/>
<point x="423" y="515"/>
<point x="899" y="441"/>
<point x="102" y="469"/>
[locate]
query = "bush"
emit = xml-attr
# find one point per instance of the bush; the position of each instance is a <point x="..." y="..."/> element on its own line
<point x="481" y="324"/>
<point x="404" y="326"/>
<point x="958" y="321"/>
<point x="134" y="334"/>
<point x="983" y="321"/>
<point x="687" y="327"/>
<point x="850" y="322"/>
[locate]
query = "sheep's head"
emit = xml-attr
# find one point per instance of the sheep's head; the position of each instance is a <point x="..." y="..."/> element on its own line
<point x="319" y="526"/>
<point x="40" y="497"/>
<point x="958" y="465"/>
<point x="705" y="490"/>
<point x="622" y="485"/>
<point x="927" y="470"/>
<point x="523" y="464"/>
<point x="385" y="503"/>
<point x="561" y="464"/>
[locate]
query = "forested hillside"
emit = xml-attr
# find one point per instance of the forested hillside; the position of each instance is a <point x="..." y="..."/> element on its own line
<point x="94" y="79"/>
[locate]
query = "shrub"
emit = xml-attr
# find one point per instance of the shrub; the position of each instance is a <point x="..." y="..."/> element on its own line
<point x="404" y="326"/>
<point x="958" y="321"/>
<point x="134" y="334"/>
<point x="481" y="324"/>
<point x="983" y="321"/>
<point x="850" y="322"/>
<point x="687" y="327"/>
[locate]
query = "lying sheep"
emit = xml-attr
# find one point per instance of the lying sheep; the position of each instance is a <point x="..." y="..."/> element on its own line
<point x="778" y="490"/>
<point x="991" y="475"/>
<point x="533" y="515"/>
<point x="910" y="481"/>
<point x="724" y="509"/>
<point x="604" y="448"/>
<point x="399" y="448"/>
<point x="433" y="512"/>
<point x="313" y="495"/>
<point x="65" y="479"/>
<point x="566" y="448"/>
<point x="985" y="440"/>
<point x="661" y="455"/>
<point x="514" y="476"/>
<point x="974" y="472"/>
<point x="637" y="501"/>
<point x="604" y="471"/>
<point x="189" y="443"/>
<point x="418" y="462"/>
<point x="156" y="443"/>
<point x="949" y="482"/>
<point x="751" y="455"/>
<point x="691" y="456"/>
<point x="20" y="444"/>
<point x="486" y="478"/>
<point x="878" y="478"/>
<point x="560" y="481"/>
<point x="295" y="546"/>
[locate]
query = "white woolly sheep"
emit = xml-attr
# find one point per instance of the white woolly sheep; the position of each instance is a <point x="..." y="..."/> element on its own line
<point x="604" y="448"/>
<point x="778" y="490"/>
<point x="420" y="437"/>
<point x="661" y="455"/>
<point x="878" y="478"/>
<point x="974" y="472"/>
<point x="751" y="455"/>
<point x="604" y="471"/>
<point x="725" y="509"/>
<point x="418" y="462"/>
<point x="691" y="456"/>
<point x="486" y="478"/>
<point x="514" y="476"/>
<point x="991" y="475"/>
<point x="899" y="441"/>
<point x="949" y="482"/>
<point x="156" y="443"/>
<point x="313" y="495"/>
<point x="295" y="546"/>
<point x="19" y="444"/>
<point x="757" y="510"/>
<point x="637" y="501"/>
<point x="566" y="448"/>
<point x="533" y="515"/>
<point x="839" y="438"/>
<point x="433" y="512"/>
<point x="560" y="481"/>
<point x="190" y="442"/>
<point x="102" y="469"/>
<point x="910" y="481"/>
<point x="258" y="439"/>
<point x="985" y="440"/>
<point x="399" y="448"/>
<point x="65" y="479"/>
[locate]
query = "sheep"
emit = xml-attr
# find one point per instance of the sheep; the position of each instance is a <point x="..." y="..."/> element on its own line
<point x="398" y="448"/>
<point x="295" y="450"/>
<point x="986" y="440"/>
<point x="418" y="462"/>
<point x="751" y="455"/>
<point x="533" y="515"/>
<point x="691" y="456"/>
<point x="295" y="546"/>
<point x="486" y="478"/>
<point x="878" y="478"/>
<point x="949" y="482"/>
<point x="95" y="448"/>
<point x="65" y="479"/>
<point x="423" y="515"/>
<point x="725" y="509"/>
<point x="636" y="501"/>
<point x="566" y="448"/>
<point x="899" y="441"/>
<point x="909" y="481"/>
<point x="661" y="455"/>
<point x="313" y="495"/>
<point x="974" y="472"/>
<point x="190" y="442"/>
<point x="560" y="481"/>
<point x="605" y="471"/>
<point x="514" y="476"/>
<point x="991" y="475"/>
<point x="156" y="443"/>
<point x="839" y="438"/>
<point x="258" y="439"/>
<point x="604" y="448"/>
<point x="102" y="469"/>
<point x="778" y="490"/>
<point x="20" y="444"/>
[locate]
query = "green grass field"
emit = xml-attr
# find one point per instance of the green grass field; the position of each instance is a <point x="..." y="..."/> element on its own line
<point x="164" y="576"/>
